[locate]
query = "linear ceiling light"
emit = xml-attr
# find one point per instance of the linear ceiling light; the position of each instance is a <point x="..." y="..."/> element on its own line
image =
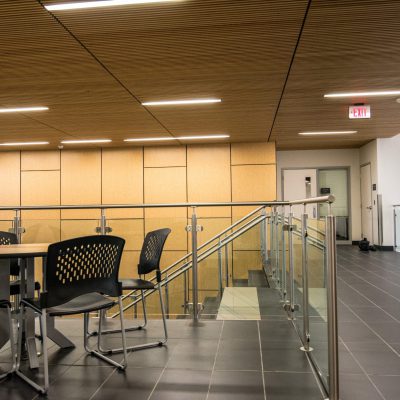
<point x="23" y="143"/>
<point x="327" y="133"/>
<point x="86" y="141"/>
<point x="22" y="109"/>
<point x="364" y="94"/>
<point x="177" y="138"/>
<point x="202" y="137"/>
<point x="181" y="102"/>
<point x="155" y="139"/>
<point x="105" y="3"/>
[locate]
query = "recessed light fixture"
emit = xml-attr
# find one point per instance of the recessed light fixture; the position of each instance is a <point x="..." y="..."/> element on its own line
<point x="104" y="3"/>
<point x="23" y="143"/>
<point x="86" y="141"/>
<point x="364" y="94"/>
<point x="181" y="102"/>
<point x="155" y="139"/>
<point x="202" y="137"/>
<point x="328" y="133"/>
<point x="22" y="109"/>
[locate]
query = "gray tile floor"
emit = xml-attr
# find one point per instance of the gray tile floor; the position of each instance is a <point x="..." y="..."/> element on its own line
<point x="247" y="359"/>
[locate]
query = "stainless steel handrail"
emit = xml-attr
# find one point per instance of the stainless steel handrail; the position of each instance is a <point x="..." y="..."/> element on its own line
<point x="185" y="267"/>
<point x="321" y="199"/>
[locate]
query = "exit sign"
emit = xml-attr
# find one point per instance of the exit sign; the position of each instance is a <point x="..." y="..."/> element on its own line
<point x="358" y="112"/>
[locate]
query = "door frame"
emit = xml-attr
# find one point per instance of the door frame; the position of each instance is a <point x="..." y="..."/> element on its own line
<point x="345" y="167"/>
<point x="372" y="201"/>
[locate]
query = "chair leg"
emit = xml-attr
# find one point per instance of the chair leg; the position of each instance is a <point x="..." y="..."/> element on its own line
<point x="41" y="389"/>
<point x="12" y="346"/>
<point x="145" y="345"/>
<point x="131" y="329"/>
<point x="98" y="353"/>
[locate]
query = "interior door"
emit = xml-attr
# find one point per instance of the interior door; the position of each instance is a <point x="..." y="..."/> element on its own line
<point x="300" y="184"/>
<point x="366" y="203"/>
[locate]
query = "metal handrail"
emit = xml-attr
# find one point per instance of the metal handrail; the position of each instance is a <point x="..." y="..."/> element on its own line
<point x="216" y="237"/>
<point x="321" y="199"/>
<point x="185" y="267"/>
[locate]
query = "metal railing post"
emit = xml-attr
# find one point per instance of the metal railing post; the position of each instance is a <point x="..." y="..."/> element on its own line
<point x="284" y="273"/>
<point x="166" y="296"/>
<point x="226" y="266"/>
<point x="220" y="278"/>
<point x="103" y="222"/>
<point x="272" y="245"/>
<point x="333" y="358"/>
<point x="16" y="226"/>
<point x="304" y="265"/>
<point x="277" y="279"/>
<point x="291" y="262"/>
<point x="195" y="289"/>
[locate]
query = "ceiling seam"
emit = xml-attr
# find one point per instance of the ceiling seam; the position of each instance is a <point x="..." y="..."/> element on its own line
<point x="290" y="68"/>
<point x="105" y="68"/>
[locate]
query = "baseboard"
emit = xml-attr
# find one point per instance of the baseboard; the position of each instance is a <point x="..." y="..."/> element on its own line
<point x="385" y="248"/>
<point x="380" y="248"/>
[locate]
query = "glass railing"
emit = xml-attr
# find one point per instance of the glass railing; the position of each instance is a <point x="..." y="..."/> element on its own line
<point x="219" y="267"/>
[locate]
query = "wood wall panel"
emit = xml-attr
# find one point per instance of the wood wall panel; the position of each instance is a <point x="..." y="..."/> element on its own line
<point x="252" y="183"/>
<point x="40" y="160"/>
<point x="209" y="178"/>
<point x="243" y="261"/>
<point x="10" y="181"/>
<point x="253" y="153"/>
<point x="129" y="229"/>
<point x="80" y="181"/>
<point x="71" y="228"/>
<point x="122" y="180"/>
<point x="165" y="156"/>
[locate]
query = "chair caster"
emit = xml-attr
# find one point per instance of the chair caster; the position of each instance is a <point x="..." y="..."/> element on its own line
<point x="160" y="344"/>
<point x="140" y="328"/>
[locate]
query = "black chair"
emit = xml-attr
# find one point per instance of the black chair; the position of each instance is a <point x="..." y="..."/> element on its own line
<point x="7" y="238"/>
<point x="80" y="275"/>
<point x="149" y="261"/>
<point x="5" y="304"/>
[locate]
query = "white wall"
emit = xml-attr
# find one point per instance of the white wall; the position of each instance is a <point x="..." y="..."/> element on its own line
<point x="326" y="159"/>
<point x="388" y="151"/>
<point x="369" y="155"/>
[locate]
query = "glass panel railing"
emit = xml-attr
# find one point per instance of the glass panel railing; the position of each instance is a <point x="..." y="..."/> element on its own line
<point x="298" y="275"/>
<point x="231" y="277"/>
<point x="318" y="297"/>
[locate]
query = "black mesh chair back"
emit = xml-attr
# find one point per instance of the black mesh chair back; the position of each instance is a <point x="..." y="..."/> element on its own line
<point x="10" y="238"/>
<point x="151" y="251"/>
<point x="80" y="266"/>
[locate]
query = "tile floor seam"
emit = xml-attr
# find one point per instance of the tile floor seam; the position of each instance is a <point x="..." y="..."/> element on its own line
<point x="369" y="283"/>
<point x="374" y="273"/>
<point x="371" y="329"/>
<point x="363" y="295"/>
<point x="375" y="266"/>
<point x="370" y="272"/>
<point x="215" y="360"/>
<point x="161" y="374"/>
<point x="261" y="359"/>
<point x="364" y="371"/>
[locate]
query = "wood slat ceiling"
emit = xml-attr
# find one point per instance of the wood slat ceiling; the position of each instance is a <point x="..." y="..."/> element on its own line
<point x="94" y="67"/>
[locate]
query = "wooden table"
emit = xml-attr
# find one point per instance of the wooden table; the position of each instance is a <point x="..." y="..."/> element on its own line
<point x="27" y="254"/>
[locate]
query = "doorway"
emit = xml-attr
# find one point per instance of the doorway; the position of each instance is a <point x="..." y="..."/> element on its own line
<point x="313" y="182"/>
<point x="366" y="203"/>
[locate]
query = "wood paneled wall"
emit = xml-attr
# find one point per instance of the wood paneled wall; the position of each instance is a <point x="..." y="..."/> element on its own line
<point x="197" y="173"/>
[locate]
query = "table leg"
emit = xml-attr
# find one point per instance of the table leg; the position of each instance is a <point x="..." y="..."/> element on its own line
<point x="28" y="281"/>
<point x="56" y="336"/>
<point x="4" y="295"/>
